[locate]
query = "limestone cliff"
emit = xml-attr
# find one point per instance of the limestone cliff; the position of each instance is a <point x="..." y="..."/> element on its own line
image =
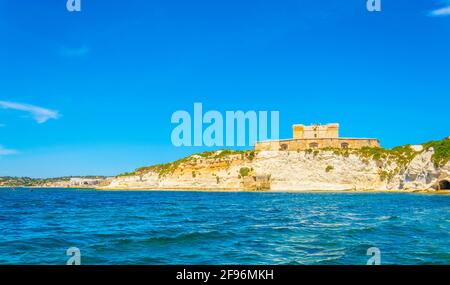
<point x="403" y="168"/>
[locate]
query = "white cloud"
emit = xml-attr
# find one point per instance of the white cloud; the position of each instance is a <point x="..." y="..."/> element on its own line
<point x="5" y="151"/>
<point x="441" y="12"/>
<point x="444" y="11"/>
<point x="40" y="115"/>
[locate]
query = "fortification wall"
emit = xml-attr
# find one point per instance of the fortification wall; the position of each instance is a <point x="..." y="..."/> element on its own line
<point x="303" y="144"/>
<point x="315" y="131"/>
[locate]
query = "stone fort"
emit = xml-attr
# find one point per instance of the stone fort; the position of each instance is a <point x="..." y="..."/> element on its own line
<point x="314" y="137"/>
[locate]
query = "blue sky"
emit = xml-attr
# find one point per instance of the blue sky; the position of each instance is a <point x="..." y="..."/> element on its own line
<point x="93" y="92"/>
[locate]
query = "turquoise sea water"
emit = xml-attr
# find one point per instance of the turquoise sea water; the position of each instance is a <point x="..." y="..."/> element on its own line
<point x="222" y="228"/>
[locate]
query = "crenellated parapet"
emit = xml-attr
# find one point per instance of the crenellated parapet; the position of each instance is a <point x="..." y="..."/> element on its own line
<point x="315" y="137"/>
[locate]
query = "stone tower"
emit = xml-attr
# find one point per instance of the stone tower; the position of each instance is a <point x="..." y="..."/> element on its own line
<point x="316" y="131"/>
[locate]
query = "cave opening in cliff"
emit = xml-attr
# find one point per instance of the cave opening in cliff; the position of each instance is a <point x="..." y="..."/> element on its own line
<point x="444" y="185"/>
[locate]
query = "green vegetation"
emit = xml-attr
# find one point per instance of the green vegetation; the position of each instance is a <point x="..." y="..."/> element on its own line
<point x="387" y="175"/>
<point x="162" y="169"/>
<point x="401" y="156"/>
<point x="169" y="168"/>
<point x="244" y="171"/>
<point x="126" y="174"/>
<point x="37" y="182"/>
<point x="26" y="181"/>
<point x="441" y="151"/>
<point x="250" y="154"/>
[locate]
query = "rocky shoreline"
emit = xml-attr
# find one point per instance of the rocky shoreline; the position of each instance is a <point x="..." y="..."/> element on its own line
<point x="407" y="168"/>
<point x="420" y="168"/>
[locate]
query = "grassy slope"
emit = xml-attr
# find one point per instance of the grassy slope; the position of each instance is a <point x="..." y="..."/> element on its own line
<point x="401" y="155"/>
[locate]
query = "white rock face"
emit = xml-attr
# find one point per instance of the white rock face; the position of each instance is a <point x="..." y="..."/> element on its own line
<point x="322" y="171"/>
<point x="417" y="148"/>
<point x="421" y="173"/>
<point x="295" y="171"/>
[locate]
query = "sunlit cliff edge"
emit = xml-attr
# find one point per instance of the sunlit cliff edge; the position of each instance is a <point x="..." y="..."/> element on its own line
<point x="418" y="167"/>
<point x="315" y="158"/>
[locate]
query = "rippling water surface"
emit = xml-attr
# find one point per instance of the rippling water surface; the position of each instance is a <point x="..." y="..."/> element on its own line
<point x="222" y="228"/>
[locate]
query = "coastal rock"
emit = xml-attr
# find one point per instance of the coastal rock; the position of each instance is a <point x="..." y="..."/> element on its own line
<point x="307" y="170"/>
<point x="421" y="173"/>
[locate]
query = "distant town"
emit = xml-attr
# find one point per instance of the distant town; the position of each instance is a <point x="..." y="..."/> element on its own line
<point x="70" y="181"/>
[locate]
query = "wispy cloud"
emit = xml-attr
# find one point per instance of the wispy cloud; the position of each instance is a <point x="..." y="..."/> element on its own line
<point x="440" y="12"/>
<point x="79" y="51"/>
<point x="40" y="115"/>
<point x="5" y="151"/>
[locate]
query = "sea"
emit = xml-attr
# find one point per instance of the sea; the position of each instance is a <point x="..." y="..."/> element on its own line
<point x="39" y="226"/>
